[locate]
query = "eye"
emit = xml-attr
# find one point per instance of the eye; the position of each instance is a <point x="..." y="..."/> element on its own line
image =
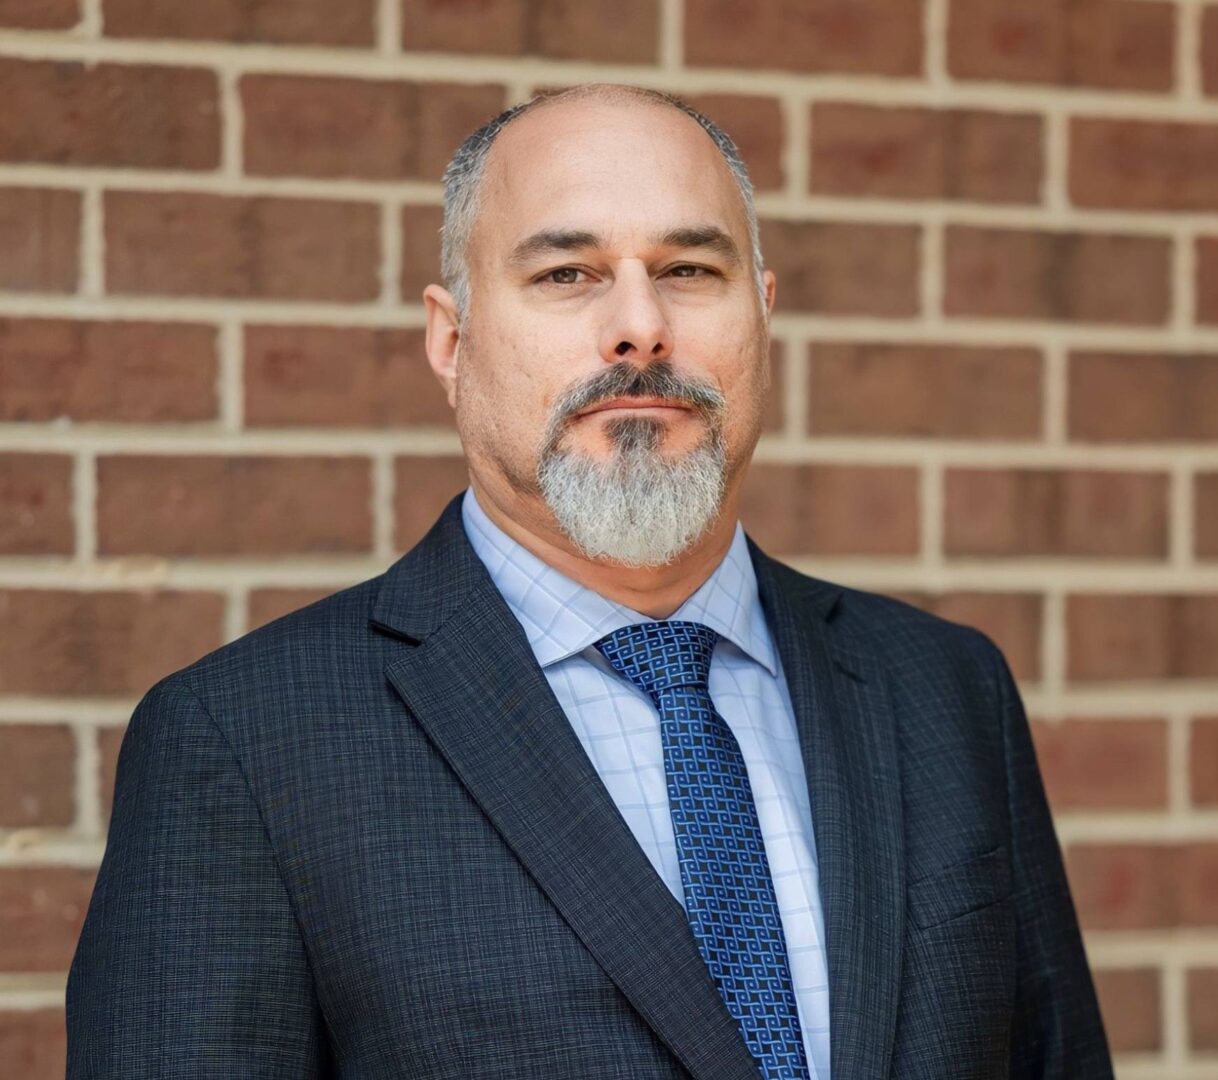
<point x="563" y="275"/>
<point x="693" y="271"/>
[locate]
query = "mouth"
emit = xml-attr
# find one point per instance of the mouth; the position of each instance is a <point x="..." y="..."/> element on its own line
<point x="636" y="404"/>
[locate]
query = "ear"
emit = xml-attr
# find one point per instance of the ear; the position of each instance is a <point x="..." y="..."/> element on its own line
<point x="443" y="338"/>
<point x="771" y="284"/>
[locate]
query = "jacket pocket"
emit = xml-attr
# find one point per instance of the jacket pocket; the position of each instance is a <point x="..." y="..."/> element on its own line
<point x="959" y="889"/>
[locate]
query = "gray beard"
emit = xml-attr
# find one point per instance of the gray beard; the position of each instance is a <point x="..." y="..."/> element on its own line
<point x="638" y="508"/>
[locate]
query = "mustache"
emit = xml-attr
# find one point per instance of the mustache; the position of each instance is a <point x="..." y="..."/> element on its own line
<point x="625" y="380"/>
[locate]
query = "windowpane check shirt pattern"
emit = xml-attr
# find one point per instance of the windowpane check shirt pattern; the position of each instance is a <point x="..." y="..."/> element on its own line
<point x="619" y="728"/>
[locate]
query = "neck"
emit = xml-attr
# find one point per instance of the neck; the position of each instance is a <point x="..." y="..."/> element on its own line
<point x="656" y="591"/>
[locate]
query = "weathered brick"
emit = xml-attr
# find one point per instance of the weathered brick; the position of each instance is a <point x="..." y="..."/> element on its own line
<point x="1203" y="761"/>
<point x="42" y="909"/>
<point x="921" y="153"/>
<point x="940" y="391"/>
<point x="1207" y="279"/>
<point x="1131" y="1004"/>
<point x="1205" y="503"/>
<point x="233" y="505"/>
<point x="1202" y="986"/>
<point x="1197" y="878"/>
<point x="874" y="509"/>
<point x="843" y="268"/>
<point x="1122" y="397"/>
<point x="109" y="743"/>
<point x="39" y="240"/>
<point x="299" y="22"/>
<point x="1012" y="620"/>
<point x="328" y="376"/>
<point x="39" y="15"/>
<point x="755" y="126"/>
<point x="1099" y="764"/>
<point x="34" y="1042"/>
<point x="1068" y="276"/>
<point x="1095" y="512"/>
<point x="131" y="372"/>
<point x="875" y="37"/>
<point x="1209" y="49"/>
<point x="1123" y="886"/>
<point x="36" y="504"/>
<point x="270" y="603"/>
<point x="37" y="775"/>
<point x="70" y="643"/>
<point x="1143" y="164"/>
<point x="608" y="31"/>
<point x="422" y="487"/>
<point x="139" y="116"/>
<point x="299" y="125"/>
<point x="1114" y="636"/>
<point x="420" y="250"/>
<point x="178" y="244"/>
<point x="1111" y="44"/>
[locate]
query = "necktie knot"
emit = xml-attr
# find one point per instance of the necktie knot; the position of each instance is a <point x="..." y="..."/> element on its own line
<point x="658" y="656"/>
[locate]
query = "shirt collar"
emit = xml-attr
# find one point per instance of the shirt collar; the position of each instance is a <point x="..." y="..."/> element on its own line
<point x="561" y="617"/>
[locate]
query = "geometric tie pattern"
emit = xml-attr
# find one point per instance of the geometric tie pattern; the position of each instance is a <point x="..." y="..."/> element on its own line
<point x="729" y="892"/>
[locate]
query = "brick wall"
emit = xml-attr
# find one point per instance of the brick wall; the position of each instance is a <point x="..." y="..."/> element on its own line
<point x="995" y="226"/>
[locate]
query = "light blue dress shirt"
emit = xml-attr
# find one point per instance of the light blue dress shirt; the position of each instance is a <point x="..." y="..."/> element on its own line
<point x="620" y="729"/>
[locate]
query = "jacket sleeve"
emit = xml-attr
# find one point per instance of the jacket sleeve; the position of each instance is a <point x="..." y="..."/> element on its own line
<point x="190" y="962"/>
<point x="1057" y="1032"/>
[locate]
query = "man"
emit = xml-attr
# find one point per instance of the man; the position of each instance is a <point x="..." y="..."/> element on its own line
<point x="586" y="785"/>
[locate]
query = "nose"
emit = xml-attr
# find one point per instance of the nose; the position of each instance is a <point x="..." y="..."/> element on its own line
<point x="635" y="327"/>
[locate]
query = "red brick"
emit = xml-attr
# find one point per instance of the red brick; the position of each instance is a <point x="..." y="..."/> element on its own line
<point x="1073" y="277"/>
<point x="39" y="15"/>
<point x="843" y="268"/>
<point x="109" y="743"/>
<point x="42" y="909"/>
<point x="1131" y="1004"/>
<point x="1095" y="512"/>
<point x="1111" y="44"/>
<point x="130" y="372"/>
<point x="70" y="643"/>
<point x="420" y="250"/>
<point x="1120" y="397"/>
<point x="875" y="37"/>
<point x="1197" y="877"/>
<point x="872" y="510"/>
<point x="34" y="1043"/>
<point x="1207" y="279"/>
<point x="109" y="114"/>
<point x="937" y="391"/>
<point x="1203" y="1008"/>
<point x="919" y="153"/>
<point x="1203" y="761"/>
<point x="1209" y="49"/>
<point x="36" y="504"/>
<point x="1143" y="164"/>
<point x="1012" y="620"/>
<point x="268" y="604"/>
<point x="422" y="487"/>
<point x="1103" y="764"/>
<point x="37" y="775"/>
<point x="298" y="125"/>
<point x="328" y="376"/>
<point x="1205" y="500"/>
<point x="1113" y="636"/>
<point x="39" y="240"/>
<point x="248" y="505"/>
<point x="755" y="126"/>
<point x="608" y="31"/>
<point x="1123" y="886"/>
<point x="300" y="22"/>
<point x="178" y="244"/>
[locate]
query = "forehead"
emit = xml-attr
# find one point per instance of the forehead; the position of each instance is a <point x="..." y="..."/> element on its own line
<point x="624" y="170"/>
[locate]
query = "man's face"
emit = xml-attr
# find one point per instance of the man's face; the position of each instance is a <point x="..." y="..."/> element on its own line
<point x="614" y="323"/>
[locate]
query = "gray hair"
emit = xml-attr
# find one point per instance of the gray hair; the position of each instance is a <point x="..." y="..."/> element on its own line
<point x="463" y="179"/>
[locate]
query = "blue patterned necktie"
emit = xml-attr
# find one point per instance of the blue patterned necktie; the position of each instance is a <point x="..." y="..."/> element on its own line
<point x="729" y="893"/>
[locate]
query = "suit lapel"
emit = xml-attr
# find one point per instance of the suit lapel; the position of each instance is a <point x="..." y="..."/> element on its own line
<point x="849" y="744"/>
<point x="473" y="684"/>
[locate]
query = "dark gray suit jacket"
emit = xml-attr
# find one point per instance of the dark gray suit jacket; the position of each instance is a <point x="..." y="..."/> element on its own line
<point x="364" y="841"/>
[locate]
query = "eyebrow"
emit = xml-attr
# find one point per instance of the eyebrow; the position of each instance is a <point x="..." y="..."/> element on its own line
<point x="547" y="241"/>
